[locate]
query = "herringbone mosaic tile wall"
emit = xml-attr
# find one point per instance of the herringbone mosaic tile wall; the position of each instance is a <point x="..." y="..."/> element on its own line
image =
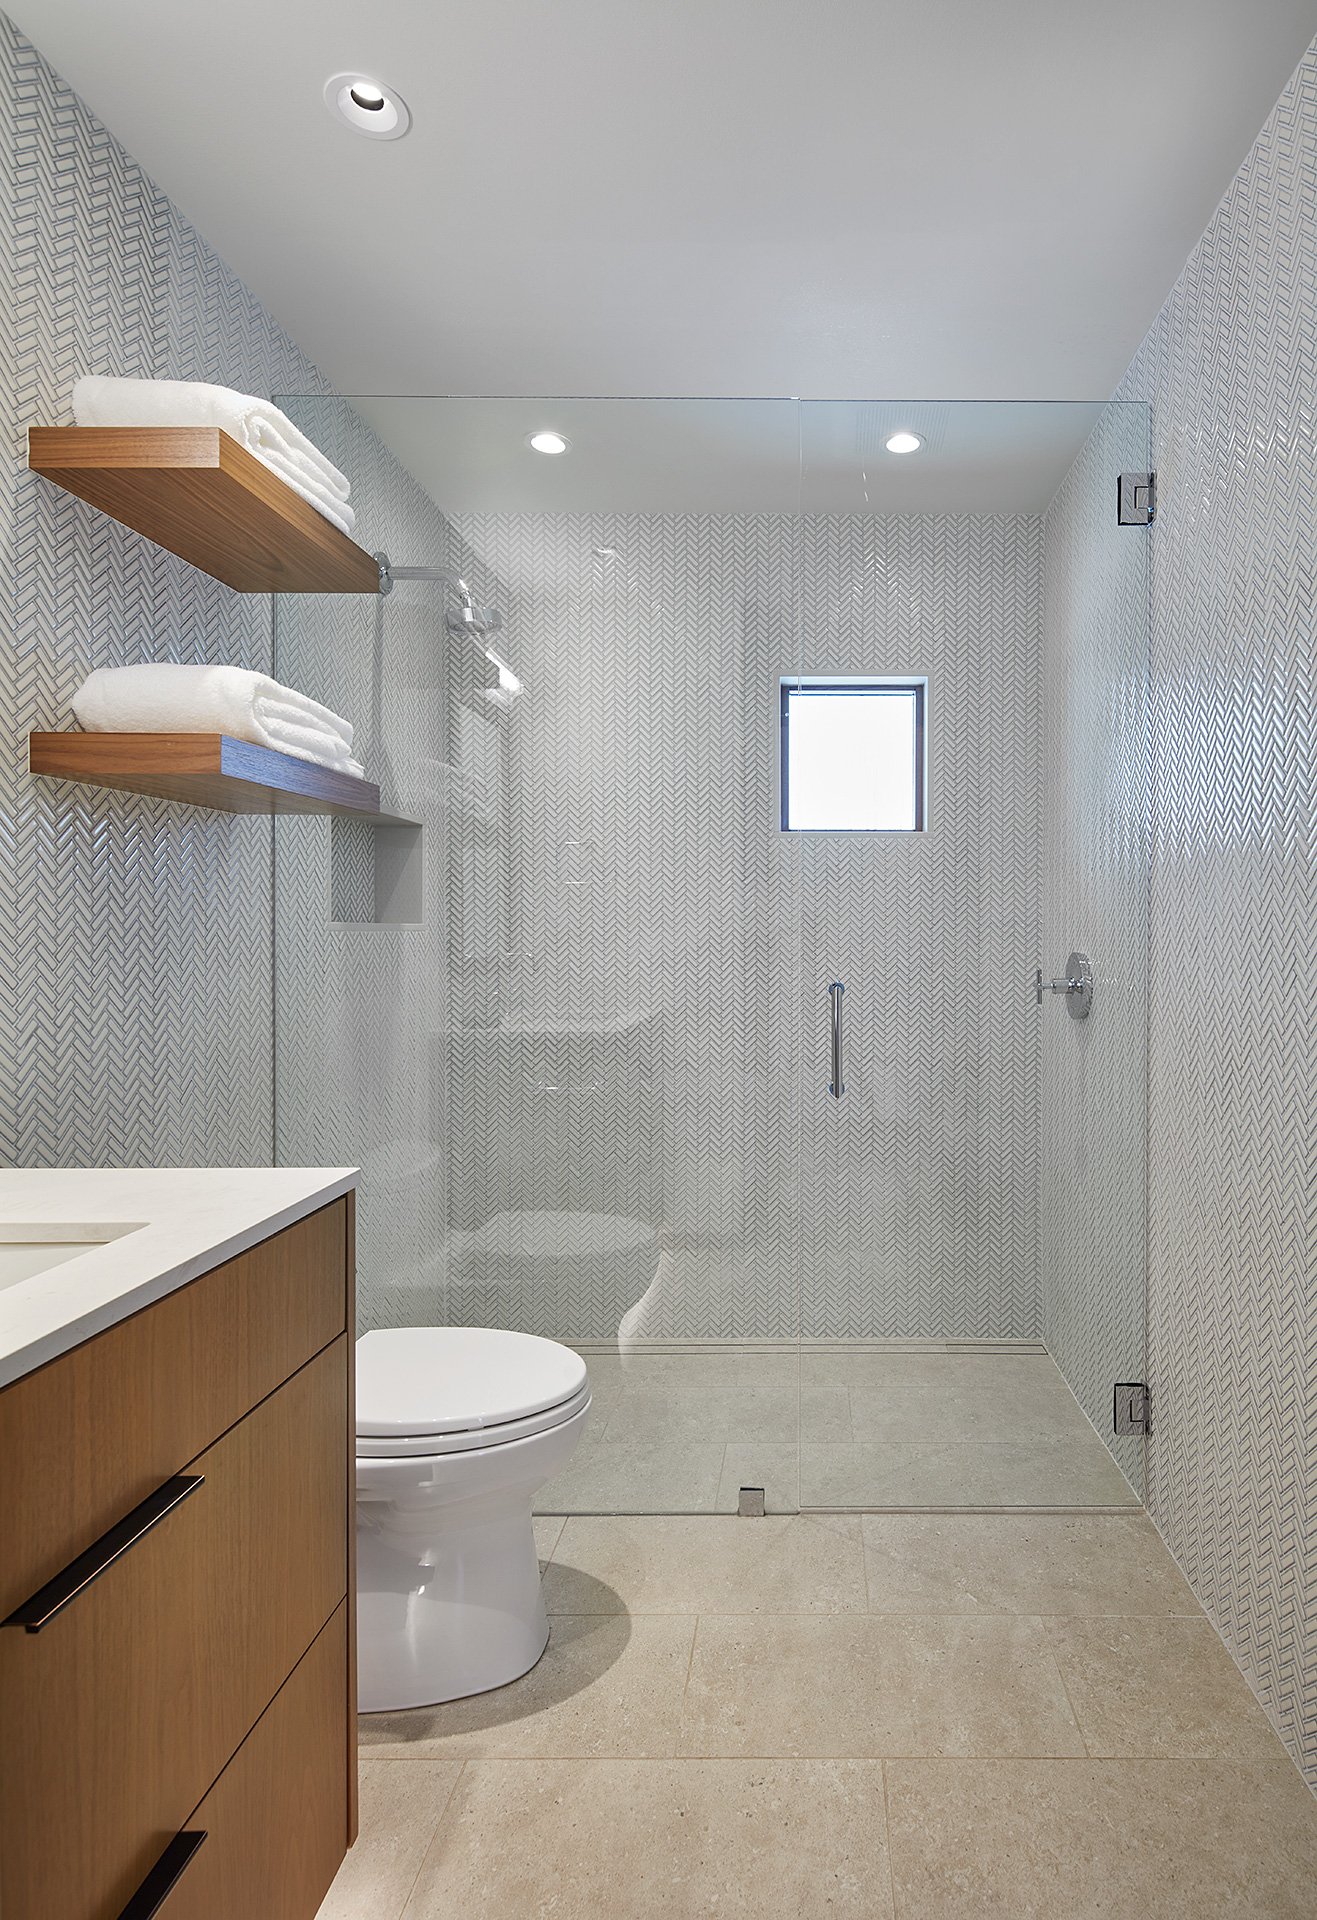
<point x="1231" y="369"/>
<point x="1094" y="837"/>
<point x="136" y="1020"/>
<point x="362" y="1010"/>
<point x="641" y="1068"/>
<point x="919" y="1189"/>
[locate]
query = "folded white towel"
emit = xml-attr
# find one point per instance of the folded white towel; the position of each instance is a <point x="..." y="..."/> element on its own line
<point x="298" y="478"/>
<point x="162" y="698"/>
<point x="276" y="712"/>
<point x="258" y="424"/>
<point x="311" y="743"/>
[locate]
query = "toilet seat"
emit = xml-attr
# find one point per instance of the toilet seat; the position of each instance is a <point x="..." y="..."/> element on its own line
<point x="432" y="1390"/>
<point x="402" y="1446"/>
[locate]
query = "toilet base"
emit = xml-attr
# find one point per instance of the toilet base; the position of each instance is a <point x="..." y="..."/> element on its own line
<point x="448" y="1578"/>
<point x="469" y="1619"/>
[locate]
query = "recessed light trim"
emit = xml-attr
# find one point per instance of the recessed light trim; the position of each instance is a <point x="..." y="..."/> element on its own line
<point x="547" y="440"/>
<point x="903" y="441"/>
<point x="367" y="106"/>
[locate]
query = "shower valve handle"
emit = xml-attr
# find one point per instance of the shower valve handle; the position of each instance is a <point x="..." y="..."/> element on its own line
<point x="1075" y="984"/>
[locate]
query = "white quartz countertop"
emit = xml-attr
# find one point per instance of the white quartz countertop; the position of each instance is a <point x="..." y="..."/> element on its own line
<point x="169" y="1224"/>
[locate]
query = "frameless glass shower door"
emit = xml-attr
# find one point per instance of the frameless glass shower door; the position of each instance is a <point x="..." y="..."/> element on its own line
<point x="954" y="1224"/>
<point x="756" y="770"/>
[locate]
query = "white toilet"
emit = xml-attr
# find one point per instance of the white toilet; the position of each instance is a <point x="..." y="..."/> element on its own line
<point x="457" y="1430"/>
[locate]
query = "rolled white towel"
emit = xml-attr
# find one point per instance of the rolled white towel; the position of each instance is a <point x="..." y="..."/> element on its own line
<point x="259" y="425"/>
<point x="163" y="698"/>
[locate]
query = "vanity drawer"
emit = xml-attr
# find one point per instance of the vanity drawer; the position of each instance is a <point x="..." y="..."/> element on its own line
<point x="276" y="1819"/>
<point x="123" y="1708"/>
<point x="89" y="1435"/>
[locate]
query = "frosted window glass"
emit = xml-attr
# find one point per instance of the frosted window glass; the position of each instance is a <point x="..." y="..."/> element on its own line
<point x="852" y="758"/>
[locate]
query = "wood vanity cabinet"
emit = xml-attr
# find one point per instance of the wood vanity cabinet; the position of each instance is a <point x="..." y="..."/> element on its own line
<point x="200" y="1679"/>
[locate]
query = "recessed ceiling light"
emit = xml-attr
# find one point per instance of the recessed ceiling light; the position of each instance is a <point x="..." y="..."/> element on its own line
<point x="548" y="442"/>
<point x="904" y="442"/>
<point x="367" y="106"/>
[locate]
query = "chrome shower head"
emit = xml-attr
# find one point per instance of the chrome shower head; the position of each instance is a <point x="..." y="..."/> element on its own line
<point x="477" y="622"/>
<point x="465" y="618"/>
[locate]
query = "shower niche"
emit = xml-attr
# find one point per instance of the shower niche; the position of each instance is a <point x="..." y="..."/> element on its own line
<point x="376" y="874"/>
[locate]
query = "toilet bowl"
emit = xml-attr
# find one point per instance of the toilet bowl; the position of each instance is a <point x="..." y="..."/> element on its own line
<point x="457" y="1430"/>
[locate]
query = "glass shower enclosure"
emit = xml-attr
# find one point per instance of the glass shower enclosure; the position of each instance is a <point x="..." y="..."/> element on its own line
<point x="744" y="1085"/>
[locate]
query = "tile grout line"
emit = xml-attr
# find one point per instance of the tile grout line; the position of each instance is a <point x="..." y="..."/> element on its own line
<point x="887" y="1824"/>
<point x="1280" y="1759"/>
<point x="434" y="1835"/>
<point x="685" y="1689"/>
<point x="1043" y="1619"/>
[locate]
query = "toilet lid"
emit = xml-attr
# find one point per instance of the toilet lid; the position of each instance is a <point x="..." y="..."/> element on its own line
<point x="429" y="1380"/>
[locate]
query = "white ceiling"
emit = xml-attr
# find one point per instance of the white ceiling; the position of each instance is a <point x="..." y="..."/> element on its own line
<point x="986" y="198"/>
<point x="733" y="456"/>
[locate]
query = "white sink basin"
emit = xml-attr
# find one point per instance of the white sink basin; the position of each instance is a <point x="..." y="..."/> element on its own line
<point x="28" y="1248"/>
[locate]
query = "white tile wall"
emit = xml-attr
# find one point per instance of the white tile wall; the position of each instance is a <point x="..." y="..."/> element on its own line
<point x="135" y="1014"/>
<point x="1231" y="369"/>
<point x="646" y="955"/>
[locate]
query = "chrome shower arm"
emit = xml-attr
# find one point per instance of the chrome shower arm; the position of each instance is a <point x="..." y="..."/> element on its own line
<point x="442" y="576"/>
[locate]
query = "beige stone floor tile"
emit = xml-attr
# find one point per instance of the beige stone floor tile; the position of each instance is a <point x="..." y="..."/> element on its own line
<point x="644" y="1370"/>
<point x="1015" y="1372"/>
<point x="548" y="1527"/>
<point x="660" y="1840"/>
<point x="940" y="1473"/>
<point x="825" y="1414"/>
<point x="867" y="1686"/>
<point x="679" y="1476"/>
<point x="1159" y="1688"/>
<point x="401" y="1805"/>
<point x="1059" y="1473"/>
<point x="604" y="1685"/>
<point x="642" y="1417"/>
<point x="774" y="1468"/>
<point x="1093" y="1840"/>
<point x="805" y="1564"/>
<point x="879" y="1474"/>
<point x="1098" y="1563"/>
<point x="966" y="1413"/>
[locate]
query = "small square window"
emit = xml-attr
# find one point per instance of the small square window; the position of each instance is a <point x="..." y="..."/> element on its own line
<point x="852" y="756"/>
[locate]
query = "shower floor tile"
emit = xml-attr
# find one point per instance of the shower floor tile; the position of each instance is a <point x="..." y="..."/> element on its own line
<point x="859" y="1429"/>
<point x="877" y="1475"/>
<point x="664" y="1477"/>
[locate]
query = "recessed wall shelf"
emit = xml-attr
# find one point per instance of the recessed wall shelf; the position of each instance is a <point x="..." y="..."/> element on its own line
<point x="196" y="491"/>
<point x="207" y="770"/>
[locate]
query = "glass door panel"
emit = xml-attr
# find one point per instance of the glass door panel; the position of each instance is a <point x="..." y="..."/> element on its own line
<point x="940" y="1346"/>
<point x="617" y="1061"/>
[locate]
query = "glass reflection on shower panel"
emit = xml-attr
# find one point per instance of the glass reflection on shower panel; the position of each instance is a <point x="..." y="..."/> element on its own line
<point x="620" y="1069"/>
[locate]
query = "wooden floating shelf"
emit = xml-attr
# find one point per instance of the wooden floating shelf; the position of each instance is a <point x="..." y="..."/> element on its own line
<point x="206" y="770"/>
<point x="196" y="491"/>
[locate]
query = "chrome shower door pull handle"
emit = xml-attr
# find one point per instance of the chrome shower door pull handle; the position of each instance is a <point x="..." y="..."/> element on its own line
<point x="836" y="1086"/>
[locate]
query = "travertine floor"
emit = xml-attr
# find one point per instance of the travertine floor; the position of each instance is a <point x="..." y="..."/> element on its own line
<point x="683" y="1432"/>
<point x="899" y="1717"/>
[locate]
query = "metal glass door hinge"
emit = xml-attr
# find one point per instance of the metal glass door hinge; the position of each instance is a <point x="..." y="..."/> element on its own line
<point x="1136" y="499"/>
<point x="1133" y="1409"/>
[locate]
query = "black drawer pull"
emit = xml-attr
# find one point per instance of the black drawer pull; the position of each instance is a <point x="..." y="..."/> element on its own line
<point x="163" y="1877"/>
<point x="41" y="1609"/>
